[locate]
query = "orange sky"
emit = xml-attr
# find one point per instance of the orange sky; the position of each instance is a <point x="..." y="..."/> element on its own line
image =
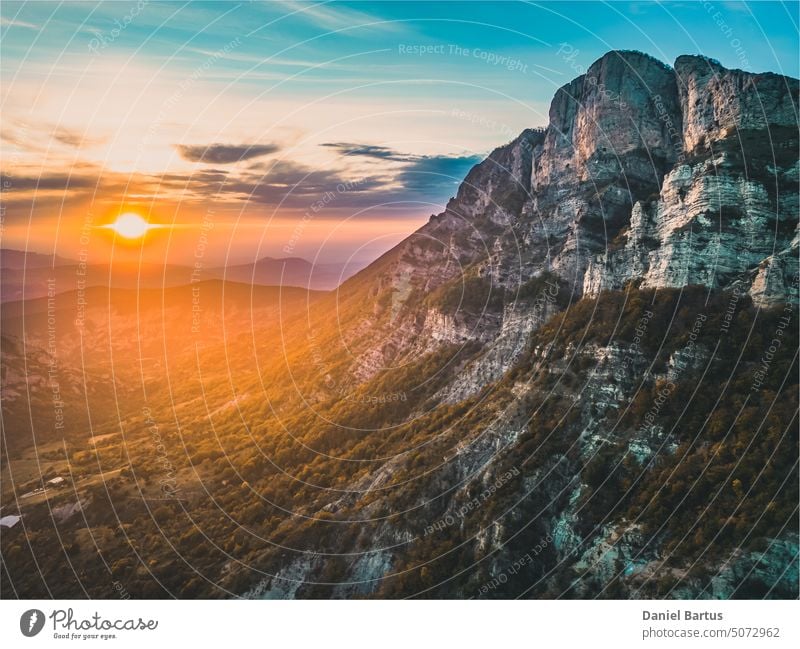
<point x="250" y="114"/>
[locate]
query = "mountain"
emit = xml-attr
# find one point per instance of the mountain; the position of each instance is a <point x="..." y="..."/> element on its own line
<point x="619" y="189"/>
<point x="560" y="317"/>
<point x="29" y="275"/>
<point x="32" y="281"/>
<point x="17" y="259"/>
<point x="289" y="271"/>
<point x="578" y="380"/>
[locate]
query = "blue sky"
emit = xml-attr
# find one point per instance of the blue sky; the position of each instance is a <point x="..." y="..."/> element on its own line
<point x="401" y="96"/>
<point x="762" y="35"/>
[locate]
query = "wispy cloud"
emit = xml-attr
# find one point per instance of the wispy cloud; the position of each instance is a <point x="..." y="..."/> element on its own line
<point x="74" y="138"/>
<point x="224" y="153"/>
<point x="424" y="174"/>
<point x="284" y="183"/>
<point x="367" y="151"/>
<point x="432" y="175"/>
<point x="335" y="17"/>
<point x="11" y="22"/>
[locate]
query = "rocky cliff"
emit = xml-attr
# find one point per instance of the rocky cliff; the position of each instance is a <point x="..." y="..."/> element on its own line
<point x="593" y="266"/>
<point x="660" y="176"/>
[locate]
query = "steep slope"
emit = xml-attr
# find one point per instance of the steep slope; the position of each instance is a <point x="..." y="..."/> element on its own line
<point x="625" y="195"/>
<point x="618" y="188"/>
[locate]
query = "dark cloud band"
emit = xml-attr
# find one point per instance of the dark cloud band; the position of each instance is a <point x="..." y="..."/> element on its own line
<point x="224" y="153"/>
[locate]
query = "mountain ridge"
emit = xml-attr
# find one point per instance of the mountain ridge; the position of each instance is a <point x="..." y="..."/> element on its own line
<point x="603" y="205"/>
<point x="27" y="275"/>
<point x="618" y="202"/>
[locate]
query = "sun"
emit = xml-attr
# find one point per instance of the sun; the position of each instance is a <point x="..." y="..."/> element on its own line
<point x="130" y="225"/>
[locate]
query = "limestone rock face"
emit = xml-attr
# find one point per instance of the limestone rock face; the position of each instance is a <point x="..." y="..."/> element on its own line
<point x="668" y="176"/>
<point x="497" y="187"/>
<point x="726" y="214"/>
<point x="611" y="122"/>
<point x="671" y="177"/>
<point x="711" y="226"/>
<point x="613" y="133"/>
<point x="662" y="176"/>
<point x="716" y="102"/>
<point x="648" y="176"/>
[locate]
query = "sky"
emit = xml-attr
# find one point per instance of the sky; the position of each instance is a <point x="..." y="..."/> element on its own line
<point x="326" y="130"/>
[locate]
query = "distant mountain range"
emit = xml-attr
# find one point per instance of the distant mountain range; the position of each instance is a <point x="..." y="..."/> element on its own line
<point x="25" y="275"/>
<point x="18" y="259"/>
<point x="289" y="271"/>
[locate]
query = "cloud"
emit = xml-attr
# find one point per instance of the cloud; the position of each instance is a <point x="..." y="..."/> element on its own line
<point x="9" y="22"/>
<point x="336" y="18"/>
<point x="294" y="185"/>
<point x="368" y="151"/>
<point x="287" y="184"/>
<point x="434" y="174"/>
<point x="224" y="153"/>
<point x="48" y="182"/>
<point x="740" y="7"/>
<point x="419" y="174"/>
<point x="75" y="138"/>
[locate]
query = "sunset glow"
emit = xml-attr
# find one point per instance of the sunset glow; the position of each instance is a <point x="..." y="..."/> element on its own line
<point x="138" y="126"/>
<point x="131" y="226"/>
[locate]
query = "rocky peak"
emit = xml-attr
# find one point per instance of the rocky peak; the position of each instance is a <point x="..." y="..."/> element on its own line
<point x="717" y="103"/>
<point x="611" y="121"/>
<point x="497" y="187"/>
<point x="670" y="177"/>
<point x="648" y="174"/>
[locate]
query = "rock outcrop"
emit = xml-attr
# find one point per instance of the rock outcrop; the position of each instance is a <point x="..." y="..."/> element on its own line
<point x="646" y="177"/>
<point x="661" y="176"/>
